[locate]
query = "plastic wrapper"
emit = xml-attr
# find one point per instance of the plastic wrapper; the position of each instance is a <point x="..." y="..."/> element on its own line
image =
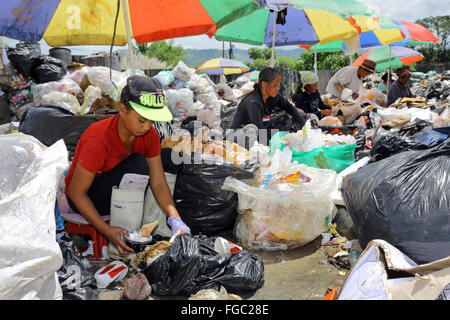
<point x="350" y="111"/>
<point x="375" y="97"/>
<point x="183" y="72"/>
<point x="64" y="86"/>
<point x="181" y="103"/>
<point x="63" y="100"/>
<point x="201" y="84"/>
<point x="208" y="117"/>
<point x="443" y="120"/>
<point x="47" y="68"/>
<point x="404" y="200"/>
<point x="285" y="216"/>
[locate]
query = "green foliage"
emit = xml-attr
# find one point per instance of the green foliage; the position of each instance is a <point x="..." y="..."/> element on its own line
<point x="286" y="63"/>
<point x="163" y="51"/>
<point x="264" y="54"/>
<point x="440" y="27"/>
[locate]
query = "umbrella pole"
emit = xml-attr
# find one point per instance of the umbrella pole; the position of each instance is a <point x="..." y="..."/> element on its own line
<point x="389" y="69"/>
<point x="272" y="58"/>
<point x="315" y="60"/>
<point x="127" y="27"/>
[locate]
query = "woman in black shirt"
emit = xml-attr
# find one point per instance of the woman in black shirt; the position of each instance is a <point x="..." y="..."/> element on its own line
<point x="307" y="96"/>
<point x="259" y="106"/>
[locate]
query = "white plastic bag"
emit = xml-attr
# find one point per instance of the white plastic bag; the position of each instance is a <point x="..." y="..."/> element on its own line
<point x="285" y="218"/>
<point x="30" y="255"/>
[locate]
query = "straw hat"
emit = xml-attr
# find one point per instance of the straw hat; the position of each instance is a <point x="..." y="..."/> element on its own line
<point x="368" y="65"/>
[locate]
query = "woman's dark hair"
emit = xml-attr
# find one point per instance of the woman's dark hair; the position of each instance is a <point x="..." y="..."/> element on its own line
<point x="267" y="75"/>
<point x="297" y="91"/>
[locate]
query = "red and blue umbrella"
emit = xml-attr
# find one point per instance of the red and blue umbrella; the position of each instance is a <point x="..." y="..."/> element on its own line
<point x="415" y="34"/>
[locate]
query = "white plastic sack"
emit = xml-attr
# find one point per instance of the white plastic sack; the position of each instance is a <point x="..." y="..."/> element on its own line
<point x="200" y="84"/>
<point x="286" y="218"/>
<point x="29" y="253"/>
<point x="79" y="74"/>
<point x="61" y="99"/>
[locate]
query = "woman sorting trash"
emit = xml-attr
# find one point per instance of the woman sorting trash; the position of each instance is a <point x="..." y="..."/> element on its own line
<point x="307" y="97"/>
<point x="400" y="88"/>
<point x="259" y="107"/>
<point x="110" y="148"/>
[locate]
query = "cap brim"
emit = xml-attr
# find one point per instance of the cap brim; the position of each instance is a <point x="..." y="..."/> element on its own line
<point x="163" y="114"/>
<point x="367" y="69"/>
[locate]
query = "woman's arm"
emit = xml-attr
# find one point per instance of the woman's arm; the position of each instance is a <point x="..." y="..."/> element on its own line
<point x="81" y="182"/>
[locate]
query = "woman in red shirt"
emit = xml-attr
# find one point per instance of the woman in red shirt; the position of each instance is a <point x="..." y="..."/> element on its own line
<point x="124" y="143"/>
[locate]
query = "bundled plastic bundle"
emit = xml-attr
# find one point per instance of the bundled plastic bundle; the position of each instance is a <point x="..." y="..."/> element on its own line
<point x="290" y="209"/>
<point x="64" y="86"/>
<point x="181" y="103"/>
<point x="183" y="72"/>
<point x="64" y="100"/>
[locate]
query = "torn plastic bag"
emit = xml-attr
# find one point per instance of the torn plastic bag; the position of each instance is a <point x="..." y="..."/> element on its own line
<point x="191" y="264"/>
<point x="47" y="69"/>
<point x="404" y="200"/>
<point x="76" y="282"/>
<point x="198" y="196"/>
<point x="386" y="143"/>
<point x="23" y="57"/>
<point x="49" y="124"/>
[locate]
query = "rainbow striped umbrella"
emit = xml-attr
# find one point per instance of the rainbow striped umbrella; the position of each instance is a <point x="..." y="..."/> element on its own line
<point x="222" y="66"/>
<point x="390" y="57"/>
<point x="415" y="34"/>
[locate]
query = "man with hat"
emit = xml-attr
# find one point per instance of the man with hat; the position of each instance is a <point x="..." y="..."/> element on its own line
<point x="350" y="77"/>
<point x="110" y="148"/>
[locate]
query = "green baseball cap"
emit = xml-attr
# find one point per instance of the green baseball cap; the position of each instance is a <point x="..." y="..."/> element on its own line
<point x="146" y="97"/>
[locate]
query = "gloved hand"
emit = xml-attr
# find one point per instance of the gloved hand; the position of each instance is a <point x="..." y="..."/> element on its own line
<point x="176" y="224"/>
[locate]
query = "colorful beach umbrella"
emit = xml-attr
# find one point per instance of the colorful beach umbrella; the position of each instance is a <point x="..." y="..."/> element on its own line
<point x="415" y="34"/>
<point x="305" y="26"/>
<point x="91" y="22"/>
<point x="390" y="57"/>
<point x="218" y="66"/>
<point x="375" y="31"/>
<point x="252" y="75"/>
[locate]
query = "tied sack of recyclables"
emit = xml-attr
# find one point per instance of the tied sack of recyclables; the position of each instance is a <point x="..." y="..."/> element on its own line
<point x="286" y="213"/>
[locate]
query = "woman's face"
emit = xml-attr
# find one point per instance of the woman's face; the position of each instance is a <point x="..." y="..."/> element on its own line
<point x="272" y="88"/>
<point x="404" y="79"/>
<point x="133" y="122"/>
<point x="312" y="88"/>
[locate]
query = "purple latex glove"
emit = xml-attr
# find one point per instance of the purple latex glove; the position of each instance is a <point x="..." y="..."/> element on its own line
<point x="176" y="224"/>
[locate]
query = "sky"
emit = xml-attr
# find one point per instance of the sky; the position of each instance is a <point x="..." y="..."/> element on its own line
<point x="409" y="10"/>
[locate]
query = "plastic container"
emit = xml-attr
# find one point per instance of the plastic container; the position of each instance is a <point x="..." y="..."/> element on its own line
<point x="61" y="53"/>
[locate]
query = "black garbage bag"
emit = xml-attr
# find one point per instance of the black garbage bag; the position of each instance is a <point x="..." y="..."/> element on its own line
<point x="227" y="112"/>
<point x="387" y="143"/>
<point x="23" y="57"/>
<point x="404" y="200"/>
<point x="191" y="264"/>
<point x="47" y="68"/>
<point x="49" y="124"/>
<point x="76" y="282"/>
<point x="199" y="199"/>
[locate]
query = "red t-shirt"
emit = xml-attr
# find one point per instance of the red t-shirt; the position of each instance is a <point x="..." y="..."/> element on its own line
<point x="100" y="148"/>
